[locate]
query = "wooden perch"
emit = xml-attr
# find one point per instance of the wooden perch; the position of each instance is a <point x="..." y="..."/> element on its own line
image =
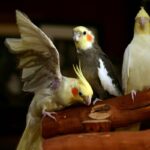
<point x="104" y="116"/>
<point x="104" y="141"/>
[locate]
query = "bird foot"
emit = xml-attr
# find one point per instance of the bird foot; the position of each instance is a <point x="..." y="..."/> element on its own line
<point x="49" y="114"/>
<point x="133" y="94"/>
<point x="96" y="100"/>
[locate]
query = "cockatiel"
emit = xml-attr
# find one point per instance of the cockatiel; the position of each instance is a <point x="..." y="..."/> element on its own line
<point x="136" y="70"/>
<point x="39" y="60"/>
<point x="96" y="66"/>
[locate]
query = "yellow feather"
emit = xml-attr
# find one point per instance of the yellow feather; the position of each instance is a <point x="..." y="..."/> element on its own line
<point x="83" y="43"/>
<point x="142" y="22"/>
<point x="142" y="13"/>
<point x="82" y="79"/>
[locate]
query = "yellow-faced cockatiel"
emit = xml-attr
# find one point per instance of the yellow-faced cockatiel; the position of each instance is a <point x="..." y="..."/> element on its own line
<point x="39" y="60"/>
<point x="136" y="61"/>
<point x="96" y="66"/>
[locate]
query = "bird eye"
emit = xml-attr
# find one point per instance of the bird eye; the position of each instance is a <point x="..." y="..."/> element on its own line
<point x="84" y="33"/>
<point x="80" y="94"/>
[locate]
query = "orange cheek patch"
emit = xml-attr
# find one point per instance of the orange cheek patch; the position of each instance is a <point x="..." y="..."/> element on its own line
<point x="74" y="91"/>
<point x="89" y="37"/>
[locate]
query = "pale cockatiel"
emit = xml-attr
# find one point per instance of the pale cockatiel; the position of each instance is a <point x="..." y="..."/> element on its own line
<point x="136" y="69"/>
<point x="96" y="66"/>
<point x="39" y="60"/>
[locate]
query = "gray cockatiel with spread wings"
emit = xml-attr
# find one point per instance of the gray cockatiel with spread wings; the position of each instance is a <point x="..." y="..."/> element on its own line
<point x="39" y="61"/>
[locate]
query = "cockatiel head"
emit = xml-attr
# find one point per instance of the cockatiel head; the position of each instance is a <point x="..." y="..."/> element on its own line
<point x="82" y="91"/>
<point x="142" y="22"/>
<point x="83" y="38"/>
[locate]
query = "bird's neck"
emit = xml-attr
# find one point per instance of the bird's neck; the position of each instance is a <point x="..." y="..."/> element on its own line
<point x="139" y="30"/>
<point x="84" y="45"/>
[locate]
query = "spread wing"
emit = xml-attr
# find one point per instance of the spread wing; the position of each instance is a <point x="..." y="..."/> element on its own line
<point x="38" y="57"/>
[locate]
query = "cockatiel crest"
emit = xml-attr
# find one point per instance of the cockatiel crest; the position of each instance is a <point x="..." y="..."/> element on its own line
<point x="83" y="37"/>
<point x="40" y="64"/>
<point x="142" y="13"/>
<point x="141" y="21"/>
<point x="85" y="86"/>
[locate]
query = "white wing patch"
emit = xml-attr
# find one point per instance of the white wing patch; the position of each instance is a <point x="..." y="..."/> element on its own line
<point x="106" y="81"/>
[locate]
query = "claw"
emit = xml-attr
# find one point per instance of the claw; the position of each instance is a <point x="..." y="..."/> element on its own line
<point x="50" y="114"/>
<point x="96" y="100"/>
<point x="133" y="94"/>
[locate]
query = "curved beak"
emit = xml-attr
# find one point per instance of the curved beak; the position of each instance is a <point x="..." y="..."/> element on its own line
<point x="142" y="21"/>
<point x="76" y="36"/>
<point x="87" y="100"/>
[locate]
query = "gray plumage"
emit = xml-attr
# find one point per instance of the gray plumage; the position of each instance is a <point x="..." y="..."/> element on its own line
<point x="96" y="65"/>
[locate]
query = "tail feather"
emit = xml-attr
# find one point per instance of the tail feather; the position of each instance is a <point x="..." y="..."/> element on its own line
<point x="31" y="138"/>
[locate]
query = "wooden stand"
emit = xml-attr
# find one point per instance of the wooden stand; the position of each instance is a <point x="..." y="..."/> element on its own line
<point x="100" y="141"/>
<point x="103" y="117"/>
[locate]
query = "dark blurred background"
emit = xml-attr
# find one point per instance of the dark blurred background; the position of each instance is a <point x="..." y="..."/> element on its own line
<point x="112" y="20"/>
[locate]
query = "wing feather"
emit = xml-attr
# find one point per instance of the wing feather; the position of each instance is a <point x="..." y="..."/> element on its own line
<point x="125" y="68"/>
<point x="38" y="56"/>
